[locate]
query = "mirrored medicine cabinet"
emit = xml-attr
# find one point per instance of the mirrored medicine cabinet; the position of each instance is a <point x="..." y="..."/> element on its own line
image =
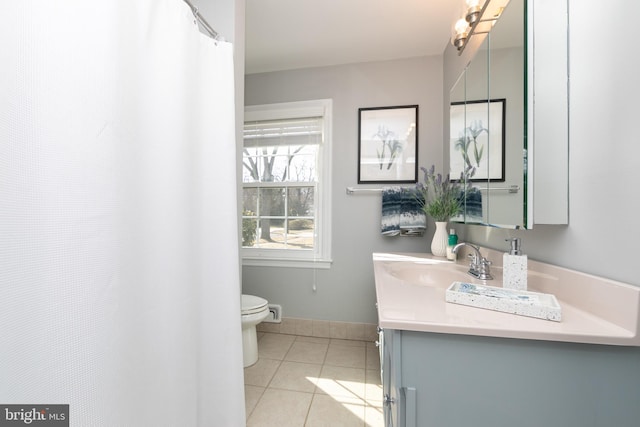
<point x="508" y="128"/>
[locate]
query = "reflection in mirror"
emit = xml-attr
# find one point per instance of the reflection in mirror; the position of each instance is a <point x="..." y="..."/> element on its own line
<point x="469" y="145"/>
<point x="507" y="77"/>
<point x="457" y="92"/>
<point x="487" y="127"/>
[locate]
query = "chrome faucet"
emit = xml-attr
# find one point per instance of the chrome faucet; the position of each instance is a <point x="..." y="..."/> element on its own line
<point x="480" y="266"/>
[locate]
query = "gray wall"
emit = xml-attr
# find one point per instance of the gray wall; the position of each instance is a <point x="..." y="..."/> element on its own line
<point x="603" y="152"/>
<point x="345" y="292"/>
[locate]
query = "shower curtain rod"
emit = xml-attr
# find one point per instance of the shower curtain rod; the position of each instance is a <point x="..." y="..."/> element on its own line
<point x="213" y="33"/>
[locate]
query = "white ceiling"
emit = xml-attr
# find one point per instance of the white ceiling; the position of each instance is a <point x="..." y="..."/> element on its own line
<point x="291" y="34"/>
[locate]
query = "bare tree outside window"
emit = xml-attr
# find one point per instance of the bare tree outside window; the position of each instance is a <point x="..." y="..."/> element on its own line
<point x="283" y="214"/>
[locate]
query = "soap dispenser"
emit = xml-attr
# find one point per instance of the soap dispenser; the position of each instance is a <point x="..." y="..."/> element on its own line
<point x="514" y="267"/>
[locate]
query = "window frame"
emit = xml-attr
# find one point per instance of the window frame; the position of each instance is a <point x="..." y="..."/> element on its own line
<point x="320" y="256"/>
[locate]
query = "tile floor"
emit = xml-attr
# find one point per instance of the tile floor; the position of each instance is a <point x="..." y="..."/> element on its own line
<point x="306" y="381"/>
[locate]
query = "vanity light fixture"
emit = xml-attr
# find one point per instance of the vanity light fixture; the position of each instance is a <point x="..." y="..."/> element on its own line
<point x="466" y="27"/>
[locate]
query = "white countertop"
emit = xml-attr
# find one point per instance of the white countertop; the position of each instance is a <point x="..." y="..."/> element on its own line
<point x="410" y="291"/>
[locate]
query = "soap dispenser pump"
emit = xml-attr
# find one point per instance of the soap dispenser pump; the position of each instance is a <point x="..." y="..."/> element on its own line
<point x="514" y="267"/>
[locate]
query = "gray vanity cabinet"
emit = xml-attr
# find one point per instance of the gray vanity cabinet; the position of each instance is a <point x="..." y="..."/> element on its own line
<point x="447" y="380"/>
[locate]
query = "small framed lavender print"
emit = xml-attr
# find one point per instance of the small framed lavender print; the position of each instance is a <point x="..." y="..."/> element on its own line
<point x="388" y="144"/>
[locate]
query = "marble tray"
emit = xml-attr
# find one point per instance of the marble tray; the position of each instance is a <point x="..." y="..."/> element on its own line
<point x="523" y="303"/>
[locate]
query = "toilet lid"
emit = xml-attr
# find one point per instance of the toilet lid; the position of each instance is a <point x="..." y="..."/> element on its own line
<point x="252" y="304"/>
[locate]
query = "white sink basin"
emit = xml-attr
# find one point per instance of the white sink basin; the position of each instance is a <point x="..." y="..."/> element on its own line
<point x="433" y="274"/>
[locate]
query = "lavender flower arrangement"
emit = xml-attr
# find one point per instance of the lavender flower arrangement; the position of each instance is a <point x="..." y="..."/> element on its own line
<point x="442" y="199"/>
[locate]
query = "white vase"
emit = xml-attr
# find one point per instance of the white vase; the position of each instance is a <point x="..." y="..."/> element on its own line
<point x="440" y="239"/>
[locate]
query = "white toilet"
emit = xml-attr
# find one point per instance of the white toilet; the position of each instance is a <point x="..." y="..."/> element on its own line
<point x="254" y="311"/>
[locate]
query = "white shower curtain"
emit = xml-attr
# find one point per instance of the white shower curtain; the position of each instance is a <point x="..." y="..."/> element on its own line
<point x="119" y="276"/>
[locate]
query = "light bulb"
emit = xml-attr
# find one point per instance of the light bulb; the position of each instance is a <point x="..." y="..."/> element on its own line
<point x="462" y="31"/>
<point x="473" y="12"/>
<point x="462" y="26"/>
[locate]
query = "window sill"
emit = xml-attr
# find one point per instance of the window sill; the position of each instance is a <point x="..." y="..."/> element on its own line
<point x="321" y="264"/>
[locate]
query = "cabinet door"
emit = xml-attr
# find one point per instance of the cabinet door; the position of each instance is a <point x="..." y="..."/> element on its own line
<point x="390" y="369"/>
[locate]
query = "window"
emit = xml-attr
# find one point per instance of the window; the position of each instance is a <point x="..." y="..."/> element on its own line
<point x="286" y="184"/>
